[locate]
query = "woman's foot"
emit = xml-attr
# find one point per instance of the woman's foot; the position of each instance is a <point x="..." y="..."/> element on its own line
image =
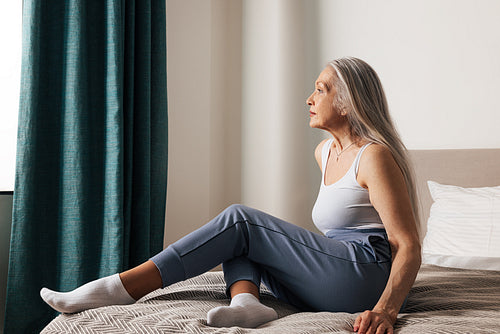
<point x="245" y="310"/>
<point x="102" y="292"/>
<point x="118" y="289"/>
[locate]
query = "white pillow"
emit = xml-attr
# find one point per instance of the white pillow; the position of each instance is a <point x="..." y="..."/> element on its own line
<point x="463" y="230"/>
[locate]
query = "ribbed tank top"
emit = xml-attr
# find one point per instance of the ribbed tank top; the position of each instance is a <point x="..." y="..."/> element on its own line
<point x="344" y="204"/>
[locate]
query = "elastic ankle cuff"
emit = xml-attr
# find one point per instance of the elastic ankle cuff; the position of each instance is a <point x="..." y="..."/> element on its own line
<point x="170" y="266"/>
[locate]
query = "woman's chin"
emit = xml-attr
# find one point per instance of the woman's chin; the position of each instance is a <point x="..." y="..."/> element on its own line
<point x="313" y="124"/>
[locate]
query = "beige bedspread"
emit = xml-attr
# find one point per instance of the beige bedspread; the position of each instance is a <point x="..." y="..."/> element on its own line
<point x="441" y="301"/>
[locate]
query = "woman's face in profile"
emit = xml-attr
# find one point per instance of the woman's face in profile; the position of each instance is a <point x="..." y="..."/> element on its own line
<point x="323" y="114"/>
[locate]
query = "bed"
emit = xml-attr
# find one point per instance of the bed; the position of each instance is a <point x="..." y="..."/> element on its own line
<point x="444" y="299"/>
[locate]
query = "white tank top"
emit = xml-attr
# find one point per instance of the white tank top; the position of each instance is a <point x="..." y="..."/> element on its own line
<point x="343" y="204"/>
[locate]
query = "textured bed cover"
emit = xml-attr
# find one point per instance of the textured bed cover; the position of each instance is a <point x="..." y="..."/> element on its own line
<point x="442" y="300"/>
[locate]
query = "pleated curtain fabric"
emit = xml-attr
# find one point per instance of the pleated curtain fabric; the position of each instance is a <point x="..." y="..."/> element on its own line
<point x="89" y="199"/>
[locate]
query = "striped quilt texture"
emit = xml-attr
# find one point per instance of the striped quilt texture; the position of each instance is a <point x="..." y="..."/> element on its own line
<point x="442" y="300"/>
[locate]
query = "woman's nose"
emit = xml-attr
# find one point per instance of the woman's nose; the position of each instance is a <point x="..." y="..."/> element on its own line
<point x="309" y="100"/>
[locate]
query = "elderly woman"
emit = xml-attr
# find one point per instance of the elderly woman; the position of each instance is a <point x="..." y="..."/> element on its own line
<point x="365" y="260"/>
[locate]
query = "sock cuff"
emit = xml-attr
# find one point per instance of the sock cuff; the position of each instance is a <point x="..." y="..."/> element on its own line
<point x="244" y="298"/>
<point x="117" y="282"/>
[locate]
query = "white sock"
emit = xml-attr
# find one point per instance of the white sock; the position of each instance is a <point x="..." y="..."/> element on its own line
<point x="245" y="310"/>
<point x="102" y="292"/>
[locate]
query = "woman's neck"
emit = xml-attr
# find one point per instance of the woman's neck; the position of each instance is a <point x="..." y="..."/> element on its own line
<point x="342" y="141"/>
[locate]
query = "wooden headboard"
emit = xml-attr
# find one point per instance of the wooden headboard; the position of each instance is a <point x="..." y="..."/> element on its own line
<point x="461" y="167"/>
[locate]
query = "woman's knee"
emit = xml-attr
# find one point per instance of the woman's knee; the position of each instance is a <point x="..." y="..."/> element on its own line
<point x="233" y="214"/>
<point x="235" y="209"/>
<point x="236" y="214"/>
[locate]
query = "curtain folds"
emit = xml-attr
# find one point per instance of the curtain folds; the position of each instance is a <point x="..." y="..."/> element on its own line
<point x="90" y="190"/>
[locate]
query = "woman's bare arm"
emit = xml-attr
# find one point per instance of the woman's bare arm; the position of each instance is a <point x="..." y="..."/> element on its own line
<point x="384" y="180"/>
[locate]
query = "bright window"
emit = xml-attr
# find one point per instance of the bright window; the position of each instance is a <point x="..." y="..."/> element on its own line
<point x="10" y="82"/>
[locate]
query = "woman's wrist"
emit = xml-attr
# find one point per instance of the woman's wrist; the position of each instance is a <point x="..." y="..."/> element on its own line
<point x="391" y="314"/>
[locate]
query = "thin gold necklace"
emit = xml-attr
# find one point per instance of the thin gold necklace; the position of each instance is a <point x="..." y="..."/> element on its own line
<point x="343" y="150"/>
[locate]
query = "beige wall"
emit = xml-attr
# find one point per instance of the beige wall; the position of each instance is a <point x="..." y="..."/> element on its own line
<point x="204" y="91"/>
<point x="438" y="60"/>
<point x="279" y="172"/>
<point x="240" y="70"/>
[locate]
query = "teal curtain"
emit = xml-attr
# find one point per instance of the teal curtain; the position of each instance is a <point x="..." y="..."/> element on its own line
<point x="89" y="198"/>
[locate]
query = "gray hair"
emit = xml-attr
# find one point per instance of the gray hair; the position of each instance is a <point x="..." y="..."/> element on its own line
<point x="361" y="96"/>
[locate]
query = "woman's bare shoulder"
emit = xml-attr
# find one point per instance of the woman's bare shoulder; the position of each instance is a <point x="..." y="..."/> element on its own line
<point x="377" y="160"/>
<point x="377" y="153"/>
<point x="318" y="150"/>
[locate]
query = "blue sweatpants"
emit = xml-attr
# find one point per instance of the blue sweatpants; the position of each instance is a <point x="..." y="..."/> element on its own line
<point x="344" y="271"/>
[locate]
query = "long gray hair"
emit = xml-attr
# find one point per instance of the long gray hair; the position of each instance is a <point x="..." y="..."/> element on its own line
<point x="361" y="96"/>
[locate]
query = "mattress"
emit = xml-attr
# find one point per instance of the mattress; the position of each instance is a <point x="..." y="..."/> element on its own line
<point x="442" y="300"/>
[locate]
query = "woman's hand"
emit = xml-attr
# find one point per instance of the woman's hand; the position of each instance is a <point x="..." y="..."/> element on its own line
<point x="374" y="322"/>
